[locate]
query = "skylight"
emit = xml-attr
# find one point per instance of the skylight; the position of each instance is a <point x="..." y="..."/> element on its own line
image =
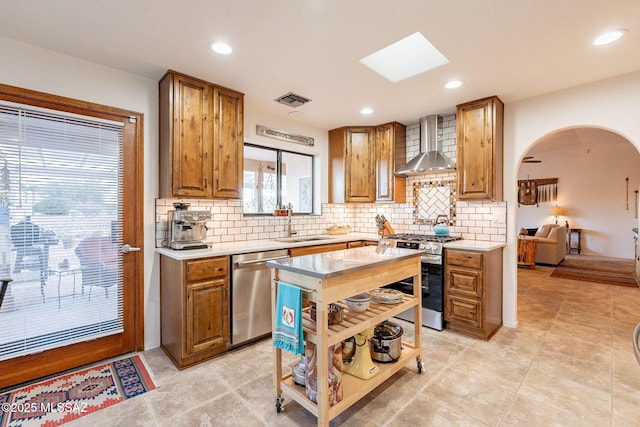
<point x="406" y="58"/>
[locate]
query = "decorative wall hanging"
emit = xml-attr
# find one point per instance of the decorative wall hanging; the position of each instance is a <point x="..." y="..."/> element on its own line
<point x="536" y="191"/>
<point x="284" y="135"/>
<point x="627" y="194"/>
<point x="527" y="192"/>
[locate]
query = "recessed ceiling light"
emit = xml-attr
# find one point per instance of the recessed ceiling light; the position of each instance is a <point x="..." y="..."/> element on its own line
<point x="406" y="58"/>
<point x="452" y="84"/>
<point x="221" y="47"/>
<point x="609" y="37"/>
<point x="366" y="111"/>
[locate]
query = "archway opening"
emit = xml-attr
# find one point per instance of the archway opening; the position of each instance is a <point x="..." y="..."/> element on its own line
<point x="598" y="174"/>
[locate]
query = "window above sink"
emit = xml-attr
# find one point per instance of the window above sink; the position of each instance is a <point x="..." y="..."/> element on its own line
<point x="273" y="178"/>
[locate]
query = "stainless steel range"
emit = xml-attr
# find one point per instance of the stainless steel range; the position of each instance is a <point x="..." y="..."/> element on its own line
<point x="432" y="275"/>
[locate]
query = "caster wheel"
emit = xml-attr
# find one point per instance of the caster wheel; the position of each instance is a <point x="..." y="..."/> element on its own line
<point x="278" y="405"/>
<point x="420" y="366"/>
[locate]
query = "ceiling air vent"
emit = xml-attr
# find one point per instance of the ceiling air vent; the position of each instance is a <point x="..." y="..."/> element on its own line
<point x="292" y="100"/>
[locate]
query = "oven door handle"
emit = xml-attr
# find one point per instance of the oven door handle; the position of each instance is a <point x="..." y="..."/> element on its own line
<point x="431" y="259"/>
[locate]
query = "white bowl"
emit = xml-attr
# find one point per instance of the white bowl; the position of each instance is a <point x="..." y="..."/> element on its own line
<point x="359" y="303"/>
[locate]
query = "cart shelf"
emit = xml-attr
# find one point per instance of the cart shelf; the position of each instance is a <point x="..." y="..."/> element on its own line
<point x="355" y="322"/>
<point x="353" y="388"/>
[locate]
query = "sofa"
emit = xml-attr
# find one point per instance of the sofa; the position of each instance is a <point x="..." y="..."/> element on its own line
<point x="552" y="244"/>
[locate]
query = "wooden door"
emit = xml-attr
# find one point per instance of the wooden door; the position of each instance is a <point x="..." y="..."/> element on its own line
<point x="360" y="173"/>
<point x="125" y="228"/>
<point x="228" y="144"/>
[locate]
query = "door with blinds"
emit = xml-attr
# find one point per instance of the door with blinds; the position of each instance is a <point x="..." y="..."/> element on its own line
<point x="70" y="224"/>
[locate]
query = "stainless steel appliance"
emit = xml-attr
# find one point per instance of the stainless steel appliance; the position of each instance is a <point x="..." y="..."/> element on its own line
<point x="187" y="229"/>
<point x="432" y="275"/>
<point x="251" y="295"/>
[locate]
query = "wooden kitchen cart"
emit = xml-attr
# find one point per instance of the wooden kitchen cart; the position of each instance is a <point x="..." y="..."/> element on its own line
<point x="331" y="278"/>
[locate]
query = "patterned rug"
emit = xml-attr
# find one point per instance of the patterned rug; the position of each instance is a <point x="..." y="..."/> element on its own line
<point x="610" y="271"/>
<point x="57" y="400"/>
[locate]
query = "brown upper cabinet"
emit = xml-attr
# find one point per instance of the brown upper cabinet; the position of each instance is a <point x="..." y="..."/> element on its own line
<point x="390" y="156"/>
<point x="480" y="149"/>
<point x="362" y="164"/>
<point x="201" y="139"/>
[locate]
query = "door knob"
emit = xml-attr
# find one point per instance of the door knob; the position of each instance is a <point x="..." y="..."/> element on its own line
<point x="128" y="248"/>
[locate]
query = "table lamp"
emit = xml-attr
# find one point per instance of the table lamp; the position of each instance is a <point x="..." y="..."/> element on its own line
<point x="557" y="211"/>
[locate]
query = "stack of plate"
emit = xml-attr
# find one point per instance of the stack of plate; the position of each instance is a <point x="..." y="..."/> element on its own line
<point x="386" y="296"/>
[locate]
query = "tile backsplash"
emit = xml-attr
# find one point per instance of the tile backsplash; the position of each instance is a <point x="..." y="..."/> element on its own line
<point x="474" y="220"/>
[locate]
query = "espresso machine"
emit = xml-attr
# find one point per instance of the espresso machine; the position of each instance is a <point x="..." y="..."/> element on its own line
<point x="187" y="229"/>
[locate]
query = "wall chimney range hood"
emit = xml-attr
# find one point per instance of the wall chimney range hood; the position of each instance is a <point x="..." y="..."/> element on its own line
<point x="430" y="158"/>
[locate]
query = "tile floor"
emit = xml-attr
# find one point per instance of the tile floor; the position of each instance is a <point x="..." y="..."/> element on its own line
<point x="569" y="363"/>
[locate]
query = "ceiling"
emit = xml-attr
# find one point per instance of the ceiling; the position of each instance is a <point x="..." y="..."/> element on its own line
<point x="511" y="48"/>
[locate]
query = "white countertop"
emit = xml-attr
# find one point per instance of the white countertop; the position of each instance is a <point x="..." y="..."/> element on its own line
<point x="232" y="248"/>
<point x="330" y="264"/>
<point x="474" y="245"/>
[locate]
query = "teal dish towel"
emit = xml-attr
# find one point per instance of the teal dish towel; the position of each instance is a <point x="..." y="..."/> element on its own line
<point x="287" y="328"/>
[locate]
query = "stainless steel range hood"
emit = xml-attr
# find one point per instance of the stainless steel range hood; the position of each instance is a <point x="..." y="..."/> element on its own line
<point x="430" y="158"/>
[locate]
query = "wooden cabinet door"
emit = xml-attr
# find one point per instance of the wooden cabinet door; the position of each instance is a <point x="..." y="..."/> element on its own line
<point x="479" y="149"/>
<point x="360" y="175"/>
<point x="390" y="155"/>
<point x="463" y="311"/>
<point x="207" y="315"/>
<point x="228" y="144"/>
<point x="192" y="139"/>
<point x="464" y="282"/>
<point x="385" y="166"/>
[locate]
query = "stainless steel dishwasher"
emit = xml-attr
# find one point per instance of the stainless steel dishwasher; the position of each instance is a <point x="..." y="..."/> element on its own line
<point x="251" y="295"/>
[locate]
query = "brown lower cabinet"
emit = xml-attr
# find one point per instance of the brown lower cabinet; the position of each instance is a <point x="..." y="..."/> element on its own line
<point x="307" y="250"/>
<point x="194" y="305"/>
<point x="473" y="292"/>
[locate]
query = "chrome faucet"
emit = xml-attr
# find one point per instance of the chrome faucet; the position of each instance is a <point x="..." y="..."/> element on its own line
<point x="290" y="232"/>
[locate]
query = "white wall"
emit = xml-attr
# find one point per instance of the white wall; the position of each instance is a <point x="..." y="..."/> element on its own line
<point x="610" y="104"/>
<point x="592" y="191"/>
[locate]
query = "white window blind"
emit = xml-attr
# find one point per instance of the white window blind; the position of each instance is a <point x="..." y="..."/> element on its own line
<point x="60" y="216"/>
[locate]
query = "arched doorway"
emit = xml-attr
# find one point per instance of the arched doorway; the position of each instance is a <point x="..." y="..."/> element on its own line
<point x="598" y="172"/>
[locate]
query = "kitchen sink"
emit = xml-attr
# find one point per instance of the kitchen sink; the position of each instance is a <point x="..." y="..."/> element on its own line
<point x="301" y="239"/>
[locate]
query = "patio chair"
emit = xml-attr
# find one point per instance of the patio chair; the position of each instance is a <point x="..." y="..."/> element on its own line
<point x="98" y="258"/>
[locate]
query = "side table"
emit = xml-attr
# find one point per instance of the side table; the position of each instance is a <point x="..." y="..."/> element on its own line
<point x="527" y="252"/>
<point x="65" y="272"/>
<point x="571" y="243"/>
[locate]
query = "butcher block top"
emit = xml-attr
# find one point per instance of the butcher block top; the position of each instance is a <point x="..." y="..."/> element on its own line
<point x="331" y="264"/>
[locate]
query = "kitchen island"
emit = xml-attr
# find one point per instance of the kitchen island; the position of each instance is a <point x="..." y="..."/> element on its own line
<point x="331" y="278"/>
